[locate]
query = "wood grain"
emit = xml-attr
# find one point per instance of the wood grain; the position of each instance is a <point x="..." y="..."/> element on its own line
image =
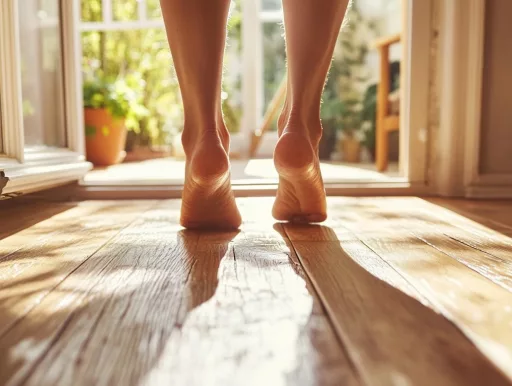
<point x="391" y="337"/>
<point x="387" y="294"/>
<point x="16" y="216"/>
<point x="34" y="261"/>
<point x="479" y="307"/>
<point x="157" y="305"/>
<point x="476" y="246"/>
<point x="496" y="215"/>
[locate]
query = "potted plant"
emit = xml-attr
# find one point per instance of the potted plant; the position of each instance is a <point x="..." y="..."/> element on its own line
<point x="350" y="127"/>
<point x="109" y="107"/>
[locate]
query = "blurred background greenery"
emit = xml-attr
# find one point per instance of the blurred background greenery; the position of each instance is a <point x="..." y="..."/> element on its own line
<point x="141" y="57"/>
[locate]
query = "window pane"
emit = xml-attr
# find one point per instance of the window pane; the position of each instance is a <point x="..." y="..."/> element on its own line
<point x="271" y="5"/>
<point x="125" y="10"/>
<point x="91" y="10"/>
<point x="42" y="72"/>
<point x="154" y="10"/>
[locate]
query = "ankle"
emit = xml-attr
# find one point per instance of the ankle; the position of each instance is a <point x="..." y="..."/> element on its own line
<point x="193" y="135"/>
<point x="310" y="126"/>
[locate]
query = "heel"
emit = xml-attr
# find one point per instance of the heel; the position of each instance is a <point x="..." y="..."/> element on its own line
<point x="294" y="155"/>
<point x="210" y="164"/>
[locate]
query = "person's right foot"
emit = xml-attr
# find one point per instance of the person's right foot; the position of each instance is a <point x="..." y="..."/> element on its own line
<point x="301" y="194"/>
<point x="208" y="201"/>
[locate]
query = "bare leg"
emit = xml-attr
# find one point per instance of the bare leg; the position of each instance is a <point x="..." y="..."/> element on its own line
<point x="196" y="31"/>
<point x="311" y="30"/>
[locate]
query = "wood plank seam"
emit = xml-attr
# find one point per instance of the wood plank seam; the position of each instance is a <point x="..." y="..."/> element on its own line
<point x="76" y="312"/>
<point x="465" y="263"/>
<point x="328" y="313"/>
<point x="21" y="317"/>
<point x="468" y="331"/>
<point x="475" y="227"/>
<point x="476" y="231"/>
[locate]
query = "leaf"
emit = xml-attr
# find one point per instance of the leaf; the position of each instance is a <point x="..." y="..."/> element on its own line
<point x="90" y="131"/>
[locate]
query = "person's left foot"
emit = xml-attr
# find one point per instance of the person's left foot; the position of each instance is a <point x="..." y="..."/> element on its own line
<point x="301" y="194"/>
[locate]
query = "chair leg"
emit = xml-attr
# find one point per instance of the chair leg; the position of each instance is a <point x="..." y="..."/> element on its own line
<point x="381" y="135"/>
<point x="382" y="148"/>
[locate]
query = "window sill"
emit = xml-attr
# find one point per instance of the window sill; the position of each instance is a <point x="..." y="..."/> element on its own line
<point x="52" y="171"/>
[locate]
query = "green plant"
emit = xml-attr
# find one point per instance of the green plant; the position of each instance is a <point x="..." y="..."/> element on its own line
<point x="115" y="95"/>
<point x="343" y="95"/>
<point x="368" y="117"/>
<point x="232" y="115"/>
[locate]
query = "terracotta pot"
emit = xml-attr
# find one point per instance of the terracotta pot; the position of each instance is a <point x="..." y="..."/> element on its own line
<point x="351" y="149"/>
<point x="105" y="137"/>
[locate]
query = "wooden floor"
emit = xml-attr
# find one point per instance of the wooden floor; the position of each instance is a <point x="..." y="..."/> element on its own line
<point x="390" y="291"/>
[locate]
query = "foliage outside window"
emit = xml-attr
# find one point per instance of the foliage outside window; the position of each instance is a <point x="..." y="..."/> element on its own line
<point x="141" y="59"/>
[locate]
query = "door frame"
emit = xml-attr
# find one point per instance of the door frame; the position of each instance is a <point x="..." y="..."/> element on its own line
<point x="457" y="155"/>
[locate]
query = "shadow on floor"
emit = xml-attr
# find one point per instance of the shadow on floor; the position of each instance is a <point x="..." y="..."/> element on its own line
<point x="120" y="306"/>
<point x="19" y="214"/>
<point x="387" y="333"/>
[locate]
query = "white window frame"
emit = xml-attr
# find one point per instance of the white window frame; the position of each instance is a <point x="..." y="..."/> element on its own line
<point x="29" y="171"/>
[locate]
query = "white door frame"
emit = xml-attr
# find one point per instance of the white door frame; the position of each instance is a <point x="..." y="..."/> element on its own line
<point x="415" y="71"/>
<point x="457" y="165"/>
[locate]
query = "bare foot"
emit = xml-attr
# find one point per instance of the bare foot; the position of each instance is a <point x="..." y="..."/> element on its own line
<point x="208" y="201"/>
<point x="300" y="195"/>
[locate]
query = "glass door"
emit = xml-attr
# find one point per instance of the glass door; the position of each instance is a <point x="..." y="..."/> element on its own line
<point x="42" y="75"/>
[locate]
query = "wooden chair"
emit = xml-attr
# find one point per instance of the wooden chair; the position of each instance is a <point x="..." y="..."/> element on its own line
<point x="387" y="121"/>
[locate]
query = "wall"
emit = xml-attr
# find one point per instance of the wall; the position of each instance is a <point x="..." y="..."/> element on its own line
<point x="496" y="131"/>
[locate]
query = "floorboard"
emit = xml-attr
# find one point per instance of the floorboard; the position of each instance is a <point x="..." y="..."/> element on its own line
<point x="19" y="216"/>
<point x="479" y="307"/>
<point x="496" y="215"/>
<point x="156" y="302"/>
<point x="390" y="291"/>
<point x="35" y="261"/>
<point x="379" y="323"/>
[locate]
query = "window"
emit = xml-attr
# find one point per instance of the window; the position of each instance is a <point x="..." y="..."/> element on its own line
<point x="41" y="86"/>
<point x="40" y="103"/>
<point x="254" y="76"/>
